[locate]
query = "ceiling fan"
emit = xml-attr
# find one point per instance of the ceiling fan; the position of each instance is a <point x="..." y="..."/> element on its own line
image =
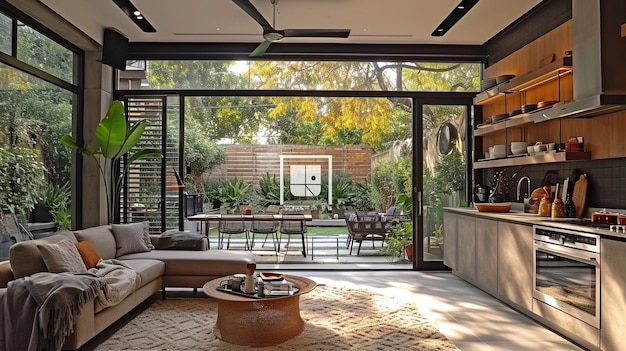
<point x="271" y="35"/>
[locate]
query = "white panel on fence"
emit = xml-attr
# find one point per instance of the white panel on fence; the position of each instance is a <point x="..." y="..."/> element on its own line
<point x="306" y="180"/>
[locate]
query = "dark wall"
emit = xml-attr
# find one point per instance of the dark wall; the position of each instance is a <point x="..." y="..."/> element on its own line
<point x="607" y="180"/>
<point x="546" y="16"/>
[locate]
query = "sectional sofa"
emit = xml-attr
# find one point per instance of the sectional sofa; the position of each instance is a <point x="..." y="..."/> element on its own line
<point x="157" y="269"/>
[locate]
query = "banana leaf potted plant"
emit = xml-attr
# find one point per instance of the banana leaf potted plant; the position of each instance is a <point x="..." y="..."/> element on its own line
<point x="116" y="137"/>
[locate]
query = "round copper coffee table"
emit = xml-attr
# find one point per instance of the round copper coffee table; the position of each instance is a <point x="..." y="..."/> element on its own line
<point x="258" y="322"/>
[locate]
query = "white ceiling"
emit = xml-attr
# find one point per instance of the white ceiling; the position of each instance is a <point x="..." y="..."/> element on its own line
<point x="371" y="21"/>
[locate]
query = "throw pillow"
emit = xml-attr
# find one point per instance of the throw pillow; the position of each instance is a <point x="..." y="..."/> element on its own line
<point x="146" y="235"/>
<point x="62" y="256"/>
<point x="88" y="253"/>
<point x="129" y="238"/>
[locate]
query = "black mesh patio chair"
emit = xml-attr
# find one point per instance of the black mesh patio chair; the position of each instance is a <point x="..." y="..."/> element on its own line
<point x="264" y="224"/>
<point x="231" y="228"/>
<point x="293" y="224"/>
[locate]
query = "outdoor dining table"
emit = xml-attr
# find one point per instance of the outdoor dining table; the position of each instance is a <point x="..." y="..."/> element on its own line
<point x="209" y="217"/>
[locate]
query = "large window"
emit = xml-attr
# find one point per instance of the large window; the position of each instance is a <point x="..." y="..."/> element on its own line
<point x="41" y="52"/>
<point x="302" y="75"/>
<point x="36" y="109"/>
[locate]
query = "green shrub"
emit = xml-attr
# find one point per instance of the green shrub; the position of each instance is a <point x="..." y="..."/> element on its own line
<point x="21" y="177"/>
<point x="269" y="189"/>
<point x="235" y="192"/>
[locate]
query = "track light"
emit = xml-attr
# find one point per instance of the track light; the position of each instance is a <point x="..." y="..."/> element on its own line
<point x="457" y="13"/>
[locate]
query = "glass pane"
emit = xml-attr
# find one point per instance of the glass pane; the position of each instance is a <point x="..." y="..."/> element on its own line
<point x="444" y="171"/>
<point x="6" y="34"/>
<point x="332" y="157"/>
<point x="304" y="75"/>
<point x="34" y="115"/>
<point x="41" y="52"/>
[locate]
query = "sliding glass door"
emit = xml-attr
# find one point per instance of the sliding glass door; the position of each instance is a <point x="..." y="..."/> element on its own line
<point x="442" y="174"/>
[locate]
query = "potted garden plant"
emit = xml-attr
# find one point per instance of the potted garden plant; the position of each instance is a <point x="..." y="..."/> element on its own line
<point x="399" y="240"/>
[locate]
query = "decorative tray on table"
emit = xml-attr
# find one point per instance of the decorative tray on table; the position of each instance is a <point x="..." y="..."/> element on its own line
<point x="274" y="285"/>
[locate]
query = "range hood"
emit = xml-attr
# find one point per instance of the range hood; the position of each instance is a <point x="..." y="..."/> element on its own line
<point x="598" y="56"/>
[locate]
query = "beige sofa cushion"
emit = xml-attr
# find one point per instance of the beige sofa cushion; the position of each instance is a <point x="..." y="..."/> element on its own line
<point x="197" y="263"/>
<point x="25" y="257"/>
<point x="101" y="238"/>
<point x="62" y="257"/>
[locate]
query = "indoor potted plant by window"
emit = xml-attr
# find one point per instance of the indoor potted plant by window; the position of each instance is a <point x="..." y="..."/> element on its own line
<point x="116" y="137"/>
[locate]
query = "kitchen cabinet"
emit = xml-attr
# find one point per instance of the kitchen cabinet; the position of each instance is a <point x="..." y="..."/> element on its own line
<point x="612" y="296"/>
<point x="466" y="244"/>
<point x="450" y="239"/>
<point x="474" y="255"/>
<point x="515" y="263"/>
<point x="487" y="254"/>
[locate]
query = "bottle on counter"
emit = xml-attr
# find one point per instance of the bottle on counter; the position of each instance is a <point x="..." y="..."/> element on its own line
<point x="545" y="206"/>
<point x="558" y="206"/>
<point x="570" y="207"/>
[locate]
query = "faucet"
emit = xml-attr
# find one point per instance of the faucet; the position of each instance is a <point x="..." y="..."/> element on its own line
<point x="519" y="185"/>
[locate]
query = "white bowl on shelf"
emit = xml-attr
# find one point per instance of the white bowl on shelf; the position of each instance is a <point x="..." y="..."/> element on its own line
<point x="519" y="147"/>
<point x="539" y="147"/>
<point x="530" y="149"/>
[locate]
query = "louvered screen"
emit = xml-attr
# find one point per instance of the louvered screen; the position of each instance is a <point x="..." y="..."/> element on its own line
<point x="143" y="191"/>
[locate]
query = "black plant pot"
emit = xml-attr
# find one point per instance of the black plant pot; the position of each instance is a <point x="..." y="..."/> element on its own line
<point x="42" y="213"/>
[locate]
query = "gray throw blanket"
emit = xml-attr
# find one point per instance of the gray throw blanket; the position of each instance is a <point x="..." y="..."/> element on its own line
<point x="39" y="311"/>
<point x="177" y="240"/>
<point x="118" y="281"/>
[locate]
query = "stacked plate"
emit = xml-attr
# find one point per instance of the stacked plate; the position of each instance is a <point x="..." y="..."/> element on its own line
<point x="499" y="117"/>
<point x="487" y="83"/>
<point x="528" y="108"/>
<point x="504" y="78"/>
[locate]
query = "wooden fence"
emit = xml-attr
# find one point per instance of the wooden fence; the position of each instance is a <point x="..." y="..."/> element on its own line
<point x="251" y="162"/>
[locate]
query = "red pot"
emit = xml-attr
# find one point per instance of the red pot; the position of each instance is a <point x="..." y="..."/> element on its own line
<point x="604" y="217"/>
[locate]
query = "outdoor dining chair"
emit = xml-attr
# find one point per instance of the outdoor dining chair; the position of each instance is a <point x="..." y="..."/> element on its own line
<point x="264" y="224"/>
<point x="231" y="228"/>
<point x="293" y="224"/>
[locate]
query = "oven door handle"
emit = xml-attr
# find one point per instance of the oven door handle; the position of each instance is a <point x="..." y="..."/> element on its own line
<point x="587" y="258"/>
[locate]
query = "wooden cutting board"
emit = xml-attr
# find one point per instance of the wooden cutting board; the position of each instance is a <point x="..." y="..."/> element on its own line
<point x="579" y="196"/>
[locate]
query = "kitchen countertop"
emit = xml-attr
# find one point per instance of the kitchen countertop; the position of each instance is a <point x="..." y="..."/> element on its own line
<point x="534" y="219"/>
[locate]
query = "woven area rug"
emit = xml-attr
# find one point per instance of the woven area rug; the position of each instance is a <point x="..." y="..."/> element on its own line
<point x="335" y="319"/>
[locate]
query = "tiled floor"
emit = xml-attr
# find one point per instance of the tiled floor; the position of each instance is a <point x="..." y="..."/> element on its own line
<point x="470" y="318"/>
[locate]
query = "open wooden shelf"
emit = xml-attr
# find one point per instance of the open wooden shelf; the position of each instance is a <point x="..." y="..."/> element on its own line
<point x="534" y="159"/>
<point x="526" y="81"/>
<point x="512" y="122"/>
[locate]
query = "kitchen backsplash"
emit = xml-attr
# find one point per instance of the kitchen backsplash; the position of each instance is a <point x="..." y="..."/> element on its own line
<point x="607" y="180"/>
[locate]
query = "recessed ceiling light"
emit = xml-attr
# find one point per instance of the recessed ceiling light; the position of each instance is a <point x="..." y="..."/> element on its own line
<point x="135" y="15"/>
<point x="457" y="13"/>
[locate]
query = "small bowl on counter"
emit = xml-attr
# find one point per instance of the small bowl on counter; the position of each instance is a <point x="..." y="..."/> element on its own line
<point x="500" y="207"/>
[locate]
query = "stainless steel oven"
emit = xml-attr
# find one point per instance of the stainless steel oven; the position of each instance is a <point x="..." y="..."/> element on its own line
<point x="567" y="272"/>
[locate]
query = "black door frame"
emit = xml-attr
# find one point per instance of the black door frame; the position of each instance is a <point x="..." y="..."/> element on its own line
<point x="418" y="173"/>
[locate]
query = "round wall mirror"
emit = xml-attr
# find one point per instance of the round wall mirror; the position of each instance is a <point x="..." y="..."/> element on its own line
<point x="446" y="137"/>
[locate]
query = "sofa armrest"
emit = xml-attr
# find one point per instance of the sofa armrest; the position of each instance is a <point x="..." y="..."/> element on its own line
<point x="6" y="274"/>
